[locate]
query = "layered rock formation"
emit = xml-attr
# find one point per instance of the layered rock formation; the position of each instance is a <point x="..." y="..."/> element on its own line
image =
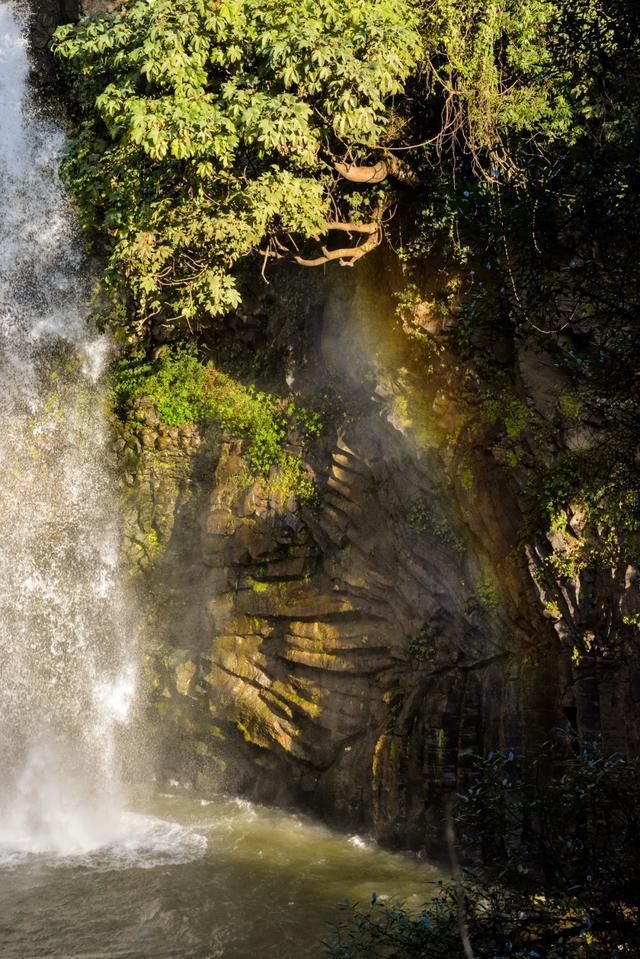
<point x="348" y="656"/>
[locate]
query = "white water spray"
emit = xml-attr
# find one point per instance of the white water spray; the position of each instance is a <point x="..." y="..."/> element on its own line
<point x="67" y="656"/>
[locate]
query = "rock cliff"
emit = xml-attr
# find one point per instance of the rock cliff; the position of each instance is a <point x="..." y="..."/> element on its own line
<point x="350" y="656"/>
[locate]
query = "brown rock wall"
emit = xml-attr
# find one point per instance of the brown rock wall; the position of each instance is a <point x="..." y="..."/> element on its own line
<point x="348" y="656"/>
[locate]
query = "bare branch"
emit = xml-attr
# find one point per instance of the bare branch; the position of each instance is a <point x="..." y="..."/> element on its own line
<point x="346" y="255"/>
<point x="457" y="876"/>
<point x="362" y="174"/>
<point x="318" y="261"/>
<point x="370" y="228"/>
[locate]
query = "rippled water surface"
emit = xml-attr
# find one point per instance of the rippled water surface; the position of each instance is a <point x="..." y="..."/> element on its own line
<point x="188" y="877"/>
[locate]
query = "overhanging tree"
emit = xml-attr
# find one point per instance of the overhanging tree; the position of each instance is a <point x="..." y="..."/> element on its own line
<point x="211" y="131"/>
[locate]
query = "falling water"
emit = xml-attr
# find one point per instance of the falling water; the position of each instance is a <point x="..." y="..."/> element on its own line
<point x="67" y="663"/>
<point x="244" y="880"/>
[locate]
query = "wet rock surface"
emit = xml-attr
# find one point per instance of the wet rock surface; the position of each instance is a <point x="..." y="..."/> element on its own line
<point x="347" y="656"/>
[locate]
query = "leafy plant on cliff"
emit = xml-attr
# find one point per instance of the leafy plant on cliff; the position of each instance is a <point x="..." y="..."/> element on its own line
<point x="589" y="501"/>
<point x="540" y="205"/>
<point x="492" y="66"/>
<point x="210" y="132"/>
<point x="183" y="389"/>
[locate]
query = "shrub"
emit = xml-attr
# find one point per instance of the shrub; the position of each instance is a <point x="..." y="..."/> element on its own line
<point x="182" y="389"/>
<point x="559" y="840"/>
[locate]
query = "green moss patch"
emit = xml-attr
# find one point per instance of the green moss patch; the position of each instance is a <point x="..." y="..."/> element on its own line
<point x="185" y="390"/>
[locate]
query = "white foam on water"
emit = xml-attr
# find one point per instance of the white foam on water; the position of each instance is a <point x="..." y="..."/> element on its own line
<point x="132" y="841"/>
<point x="358" y="842"/>
<point x="147" y="842"/>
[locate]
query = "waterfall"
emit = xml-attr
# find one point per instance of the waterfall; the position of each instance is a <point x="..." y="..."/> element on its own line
<point x="67" y="640"/>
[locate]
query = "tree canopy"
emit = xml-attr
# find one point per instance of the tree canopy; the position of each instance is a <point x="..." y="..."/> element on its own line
<point x="211" y="129"/>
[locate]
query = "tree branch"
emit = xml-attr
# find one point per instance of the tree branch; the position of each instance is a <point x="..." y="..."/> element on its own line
<point x="362" y="174"/>
<point x="347" y="255"/>
<point x="371" y="228"/>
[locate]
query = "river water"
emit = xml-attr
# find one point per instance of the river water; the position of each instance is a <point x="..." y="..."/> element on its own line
<point x="196" y="879"/>
<point x="86" y="869"/>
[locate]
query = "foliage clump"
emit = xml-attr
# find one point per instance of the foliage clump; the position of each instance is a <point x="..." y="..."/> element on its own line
<point x="492" y="64"/>
<point x="424" y="518"/>
<point x="182" y="389"/>
<point x="589" y="501"/>
<point x="559" y="876"/>
<point x="208" y="130"/>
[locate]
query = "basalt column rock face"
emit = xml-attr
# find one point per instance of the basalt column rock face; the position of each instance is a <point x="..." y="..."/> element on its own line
<point x="350" y="655"/>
